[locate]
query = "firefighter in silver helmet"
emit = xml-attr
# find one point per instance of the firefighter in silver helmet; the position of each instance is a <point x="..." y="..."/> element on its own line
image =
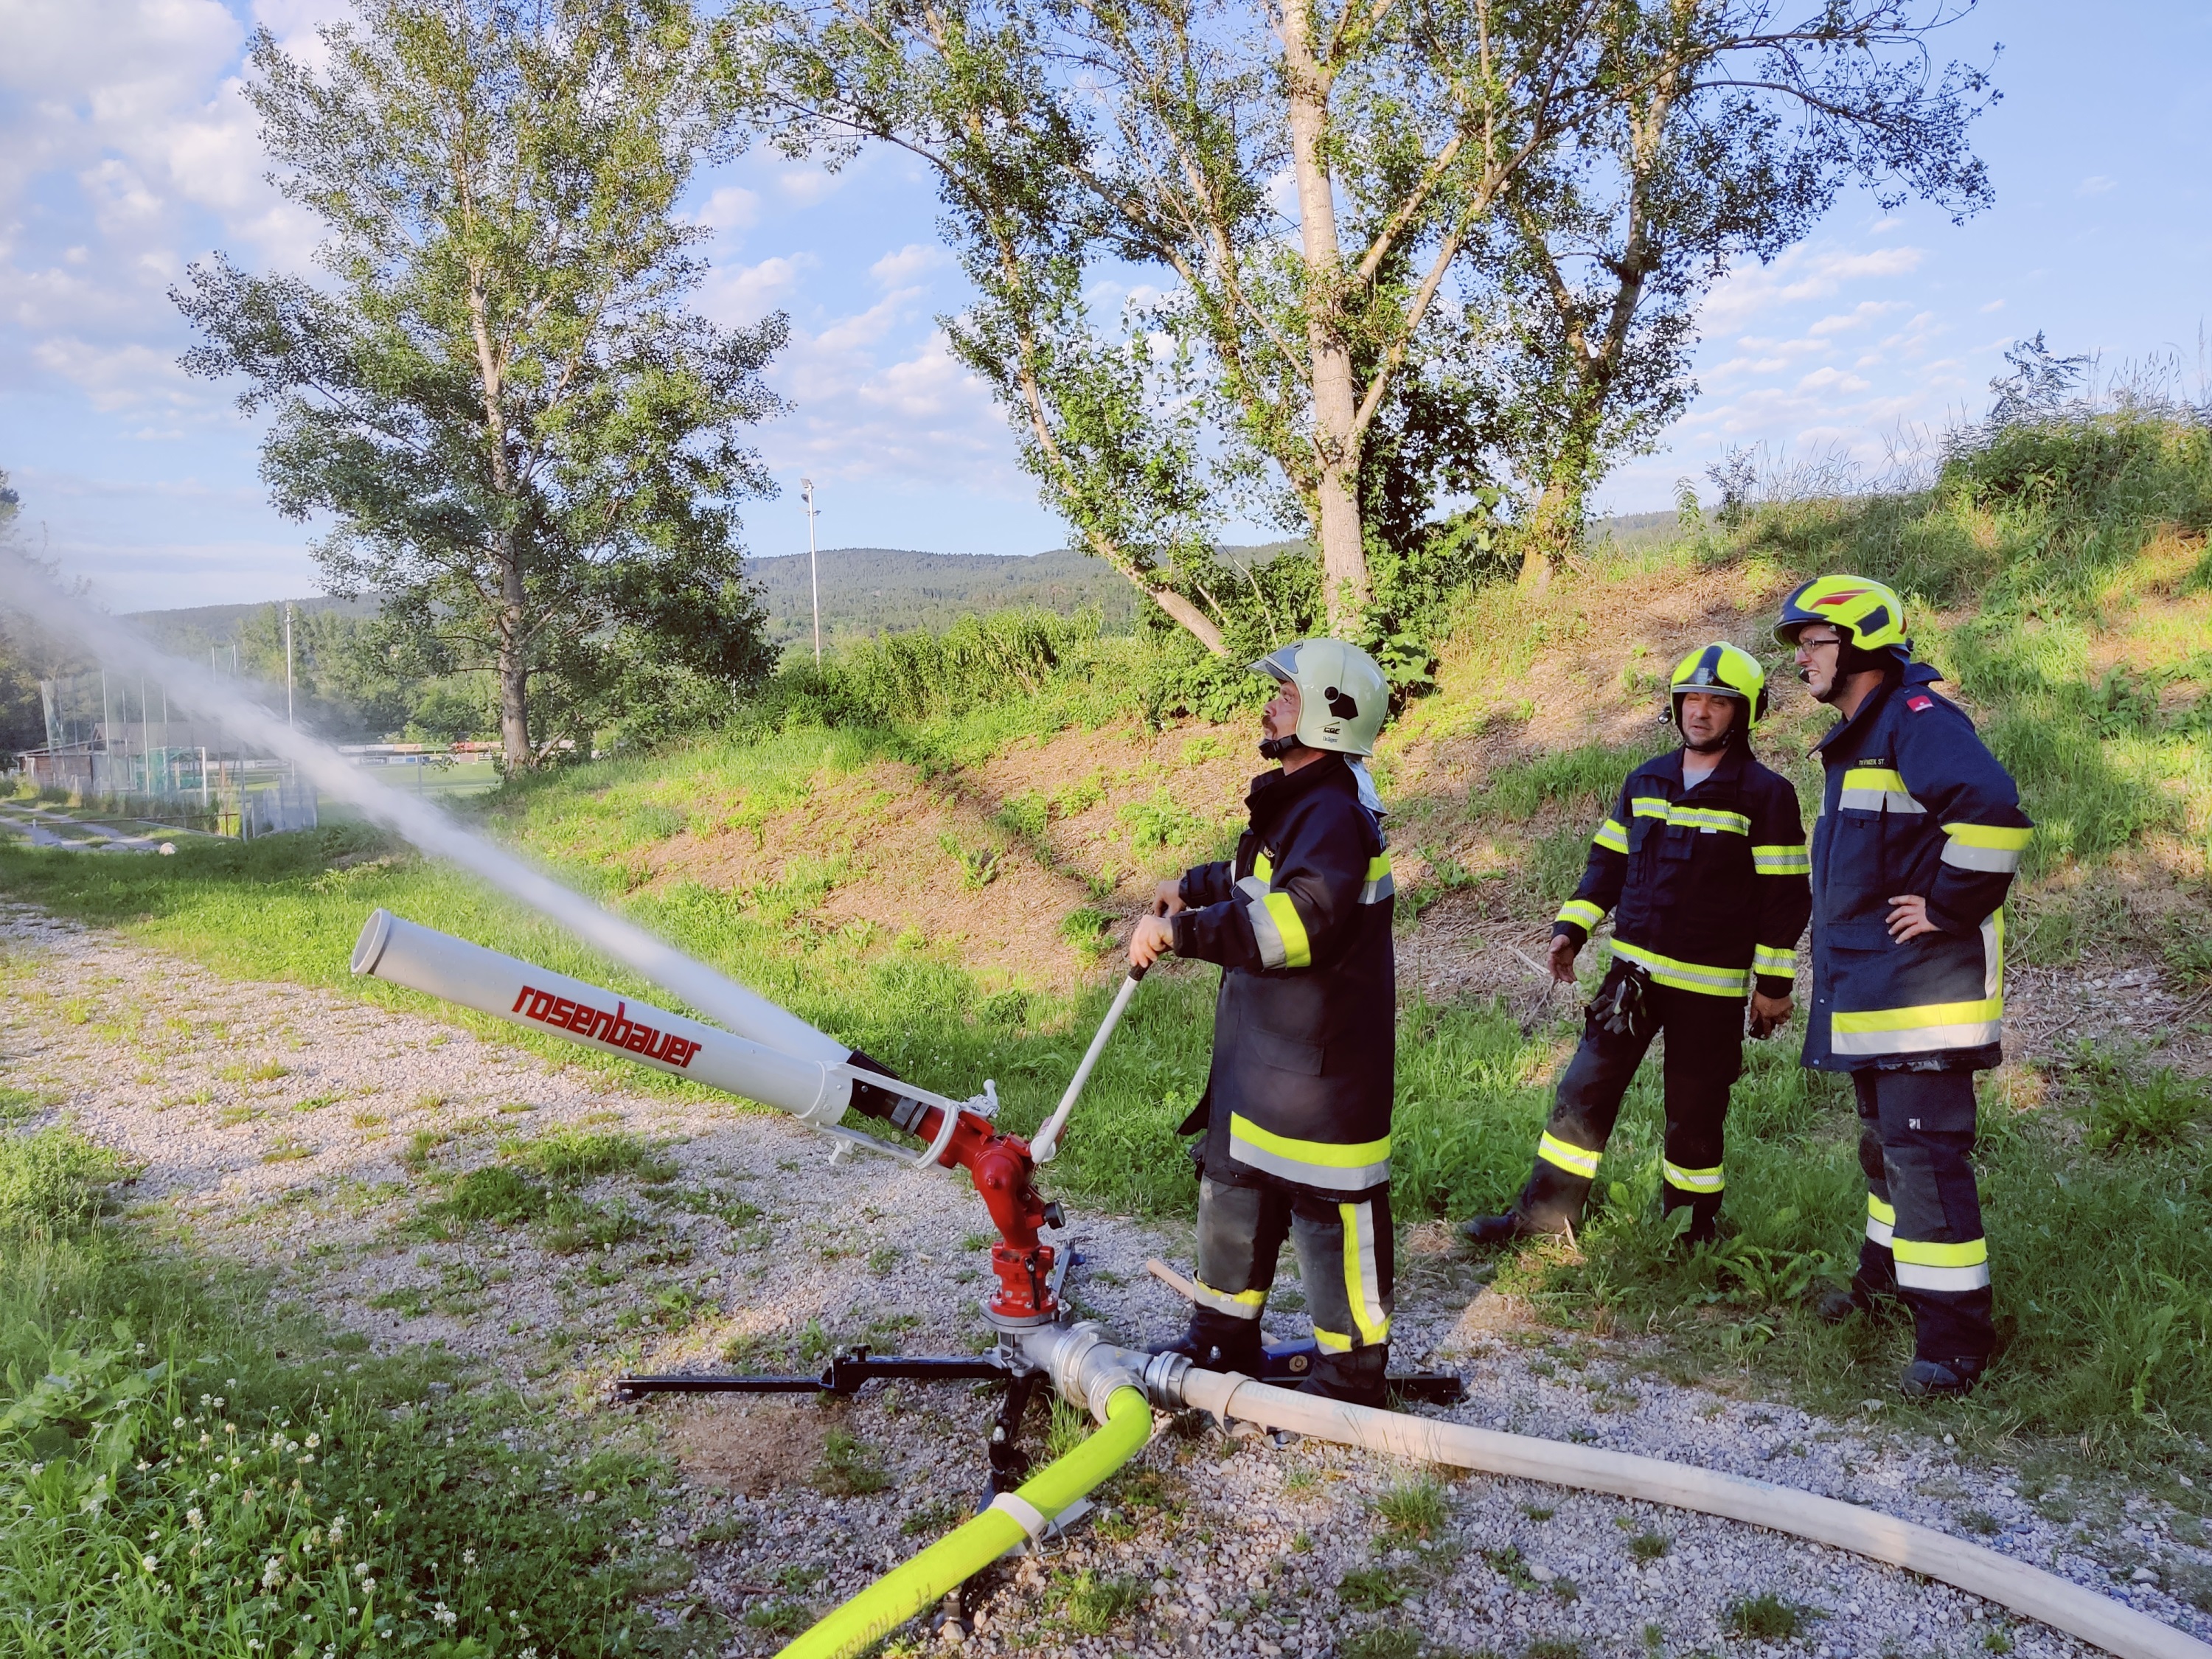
<point x="1296" y="1117"/>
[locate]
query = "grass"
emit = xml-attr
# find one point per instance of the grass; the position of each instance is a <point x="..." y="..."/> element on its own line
<point x="1413" y="1508"/>
<point x="850" y="1468"/>
<point x="1092" y="1604"/>
<point x="194" y="1475"/>
<point x="2068" y="581"/>
<point x="1766" y="1617"/>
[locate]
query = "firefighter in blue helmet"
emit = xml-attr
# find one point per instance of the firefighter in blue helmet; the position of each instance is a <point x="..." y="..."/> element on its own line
<point x="1920" y="835"/>
<point x="1703" y="862"/>
<point x="1296" y="1111"/>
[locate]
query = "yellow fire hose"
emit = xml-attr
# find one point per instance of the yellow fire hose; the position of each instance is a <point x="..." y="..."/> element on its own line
<point x="968" y="1549"/>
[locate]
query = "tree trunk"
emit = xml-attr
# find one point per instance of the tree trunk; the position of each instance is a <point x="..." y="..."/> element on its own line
<point x="513" y="672"/>
<point x="1189" y="616"/>
<point x="1554" y="528"/>
<point x="1335" y="400"/>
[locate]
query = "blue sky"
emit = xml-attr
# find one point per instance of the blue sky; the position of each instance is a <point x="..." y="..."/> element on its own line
<point x="125" y="152"/>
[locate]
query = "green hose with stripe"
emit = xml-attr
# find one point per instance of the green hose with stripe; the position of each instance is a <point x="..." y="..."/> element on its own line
<point x="968" y="1549"/>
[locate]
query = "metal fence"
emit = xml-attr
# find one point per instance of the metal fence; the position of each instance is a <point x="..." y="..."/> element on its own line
<point x="113" y="745"/>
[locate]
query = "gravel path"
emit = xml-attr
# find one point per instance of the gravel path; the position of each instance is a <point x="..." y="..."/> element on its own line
<point x="299" y="1129"/>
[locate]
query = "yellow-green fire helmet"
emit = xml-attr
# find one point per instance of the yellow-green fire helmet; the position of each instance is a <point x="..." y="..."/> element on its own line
<point x="1723" y="670"/>
<point x="1342" y="695"/>
<point x="1866" y="613"/>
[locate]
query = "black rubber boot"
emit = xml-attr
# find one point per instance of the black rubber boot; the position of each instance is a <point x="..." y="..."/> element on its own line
<point x="1357" y="1378"/>
<point x="1941" y="1379"/>
<point x="1218" y="1342"/>
<point x="1840" y="1307"/>
<point x="1491" y="1230"/>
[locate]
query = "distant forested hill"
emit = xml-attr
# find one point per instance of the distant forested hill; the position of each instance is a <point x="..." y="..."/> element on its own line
<point x="878" y="590"/>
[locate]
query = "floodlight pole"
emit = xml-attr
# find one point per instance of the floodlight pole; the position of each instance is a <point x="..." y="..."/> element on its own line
<point x="288" y="662"/>
<point x="813" y="565"/>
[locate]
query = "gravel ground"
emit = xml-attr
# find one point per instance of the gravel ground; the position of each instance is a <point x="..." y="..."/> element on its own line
<point x="299" y="1128"/>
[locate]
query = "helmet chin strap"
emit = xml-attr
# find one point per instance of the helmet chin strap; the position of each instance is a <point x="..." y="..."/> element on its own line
<point x="1275" y="749"/>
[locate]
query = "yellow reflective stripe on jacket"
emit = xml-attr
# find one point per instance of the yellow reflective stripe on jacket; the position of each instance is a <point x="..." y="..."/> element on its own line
<point x="1336" y="1166"/>
<point x="1917" y="1030"/>
<point x="1686" y="975"/>
<point x="1264" y="867"/>
<point x="1693" y="1181"/>
<point x="1611" y="836"/>
<point x="1876" y="789"/>
<point x="1698" y="818"/>
<point x="1766" y="959"/>
<point x="1280" y="934"/>
<point x="1708" y="817"/>
<point x="1922" y="1266"/>
<point x="1331" y="1341"/>
<point x="1782" y="860"/>
<point x="1565" y="1155"/>
<point x="1379" y="885"/>
<point x="1362" y="1280"/>
<point x="1882" y="1220"/>
<point x="1237" y="1305"/>
<point x="1581" y="912"/>
<point x="1984" y="846"/>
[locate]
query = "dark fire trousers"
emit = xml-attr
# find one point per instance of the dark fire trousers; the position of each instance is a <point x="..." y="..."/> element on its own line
<point x="1923" y="1231"/>
<point x="1345" y="1266"/>
<point x="1704" y="1058"/>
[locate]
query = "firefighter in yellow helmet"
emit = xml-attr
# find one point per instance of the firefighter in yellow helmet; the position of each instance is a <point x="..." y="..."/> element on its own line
<point x="1920" y="835"/>
<point x="1702" y="864"/>
<point x="1296" y="1111"/>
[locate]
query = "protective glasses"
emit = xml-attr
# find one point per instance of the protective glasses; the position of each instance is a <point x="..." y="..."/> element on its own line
<point x="1805" y="647"/>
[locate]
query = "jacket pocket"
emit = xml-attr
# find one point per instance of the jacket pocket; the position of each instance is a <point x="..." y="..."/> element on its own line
<point x="1284" y="1054"/>
<point x="1852" y="935"/>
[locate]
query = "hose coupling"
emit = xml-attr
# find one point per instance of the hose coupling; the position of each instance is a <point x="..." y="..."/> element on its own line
<point x="1084" y="1364"/>
<point x="1164" y="1379"/>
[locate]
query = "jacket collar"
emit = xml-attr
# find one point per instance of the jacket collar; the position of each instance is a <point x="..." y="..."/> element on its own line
<point x="1275" y="794"/>
<point x="1729" y="770"/>
<point x="1914" y="674"/>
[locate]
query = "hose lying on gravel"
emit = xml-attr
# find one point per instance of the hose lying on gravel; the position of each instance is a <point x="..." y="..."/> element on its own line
<point x="2110" y="1624"/>
<point x="953" y="1560"/>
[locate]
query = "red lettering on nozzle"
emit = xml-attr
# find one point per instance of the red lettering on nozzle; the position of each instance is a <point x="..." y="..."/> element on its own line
<point x="616" y="1030"/>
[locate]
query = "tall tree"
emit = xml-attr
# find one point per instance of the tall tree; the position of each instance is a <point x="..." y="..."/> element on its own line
<point x="1303" y="181"/>
<point x="530" y="451"/>
<point x="1591" y="278"/>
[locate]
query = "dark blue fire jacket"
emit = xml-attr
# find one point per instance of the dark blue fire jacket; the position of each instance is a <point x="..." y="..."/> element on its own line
<point x="1305" y="1025"/>
<point x="1914" y="804"/>
<point x="1708" y="884"/>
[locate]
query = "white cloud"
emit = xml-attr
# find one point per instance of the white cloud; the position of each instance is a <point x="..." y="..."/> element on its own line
<point x="805" y="186"/>
<point x="914" y="260"/>
<point x="1832" y="379"/>
<point x="1859" y="315"/>
<point x="738" y="296"/>
<point x="1802" y="273"/>
<point x="2095" y="184"/>
<point x="730" y="207"/>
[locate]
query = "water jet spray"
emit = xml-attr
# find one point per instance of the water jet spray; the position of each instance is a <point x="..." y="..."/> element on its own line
<point x="764" y="1053"/>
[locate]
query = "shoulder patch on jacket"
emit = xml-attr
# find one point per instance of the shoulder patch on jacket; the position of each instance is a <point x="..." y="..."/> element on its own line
<point x="1920" y="705"/>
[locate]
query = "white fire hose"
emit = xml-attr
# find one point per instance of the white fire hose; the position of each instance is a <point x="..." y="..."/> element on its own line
<point x="1085" y="1368"/>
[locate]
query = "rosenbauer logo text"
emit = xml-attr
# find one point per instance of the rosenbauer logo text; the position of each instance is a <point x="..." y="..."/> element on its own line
<point x="616" y="1030"/>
